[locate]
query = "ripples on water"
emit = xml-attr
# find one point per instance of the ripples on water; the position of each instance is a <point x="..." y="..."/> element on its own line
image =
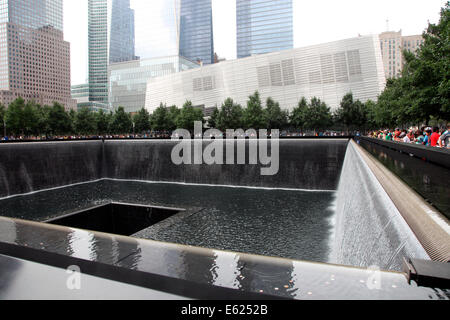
<point x="281" y="223"/>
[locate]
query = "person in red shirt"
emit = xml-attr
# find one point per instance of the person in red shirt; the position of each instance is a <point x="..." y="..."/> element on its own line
<point x="435" y="137"/>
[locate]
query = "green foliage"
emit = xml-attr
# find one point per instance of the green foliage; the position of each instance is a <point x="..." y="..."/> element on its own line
<point x="2" y="118"/>
<point x="275" y="117"/>
<point x="121" y="122"/>
<point x="172" y="118"/>
<point x="14" y="117"/>
<point x="318" y="115"/>
<point x="213" y="120"/>
<point x="254" y="117"/>
<point x="142" y="121"/>
<point x="423" y="90"/>
<point x="59" y="120"/>
<point x="230" y="116"/>
<point x="188" y="116"/>
<point x="352" y="114"/>
<point x="85" y="122"/>
<point x="103" y="121"/>
<point x="159" y="119"/>
<point x="298" y="115"/>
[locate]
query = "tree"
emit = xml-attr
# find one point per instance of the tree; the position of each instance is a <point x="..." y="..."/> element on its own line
<point x="318" y="115"/>
<point x="275" y="117"/>
<point x="188" y="116"/>
<point x="298" y="115"/>
<point x="172" y="117"/>
<point x="85" y="122"/>
<point x="371" y="115"/>
<point x="103" y="121"/>
<point x="230" y="115"/>
<point x="430" y="70"/>
<point x="159" y="119"/>
<point x="2" y="119"/>
<point x="43" y="125"/>
<point x="253" y="115"/>
<point x="423" y="90"/>
<point x="142" y="121"/>
<point x="30" y="118"/>
<point x="352" y="114"/>
<point x="59" y="120"/>
<point x="213" y="120"/>
<point x="14" y="116"/>
<point x="73" y="117"/>
<point x="121" y="122"/>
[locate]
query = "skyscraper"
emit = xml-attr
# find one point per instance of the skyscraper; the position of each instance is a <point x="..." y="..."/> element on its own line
<point x="392" y="46"/>
<point x="98" y="50"/>
<point x="264" y="26"/>
<point x="34" y="58"/>
<point x="121" y="47"/>
<point x="196" y="31"/>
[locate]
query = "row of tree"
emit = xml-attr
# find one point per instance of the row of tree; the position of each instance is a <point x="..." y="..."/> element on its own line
<point x="29" y="118"/>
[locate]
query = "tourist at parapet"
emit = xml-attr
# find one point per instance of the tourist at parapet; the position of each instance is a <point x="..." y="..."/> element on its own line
<point x="444" y="139"/>
<point x="388" y="135"/>
<point x="434" y="138"/>
<point x="427" y="140"/>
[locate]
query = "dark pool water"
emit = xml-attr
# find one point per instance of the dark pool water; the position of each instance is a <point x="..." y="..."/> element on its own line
<point x="281" y="223"/>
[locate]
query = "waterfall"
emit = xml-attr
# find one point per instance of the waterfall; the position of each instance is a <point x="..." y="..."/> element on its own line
<point x="370" y="230"/>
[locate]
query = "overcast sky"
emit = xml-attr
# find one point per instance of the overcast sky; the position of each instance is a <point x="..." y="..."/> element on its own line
<point x="314" y="22"/>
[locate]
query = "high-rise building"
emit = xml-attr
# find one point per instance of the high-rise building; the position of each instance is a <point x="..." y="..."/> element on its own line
<point x="98" y="50"/>
<point x="327" y="71"/>
<point x="128" y="80"/>
<point x="196" y="31"/>
<point x="122" y="47"/>
<point x="264" y="26"/>
<point x="34" y="58"/>
<point x="392" y="46"/>
<point x="174" y="27"/>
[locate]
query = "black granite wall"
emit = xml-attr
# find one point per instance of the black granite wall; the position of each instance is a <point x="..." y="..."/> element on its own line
<point x="304" y="164"/>
<point x="27" y="167"/>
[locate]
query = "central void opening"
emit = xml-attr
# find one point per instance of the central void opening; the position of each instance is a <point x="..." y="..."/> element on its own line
<point x="116" y="218"/>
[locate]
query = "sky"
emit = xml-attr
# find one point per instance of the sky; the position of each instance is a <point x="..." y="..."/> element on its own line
<point x="314" y="22"/>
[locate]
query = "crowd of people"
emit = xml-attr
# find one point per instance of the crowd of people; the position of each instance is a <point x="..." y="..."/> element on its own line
<point x="427" y="136"/>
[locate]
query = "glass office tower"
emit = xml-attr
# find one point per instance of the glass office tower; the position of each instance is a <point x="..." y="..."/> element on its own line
<point x="98" y="50"/>
<point x="264" y="26"/>
<point x="33" y="14"/>
<point x="121" y="47"/>
<point x="196" y="31"/>
<point x="174" y="27"/>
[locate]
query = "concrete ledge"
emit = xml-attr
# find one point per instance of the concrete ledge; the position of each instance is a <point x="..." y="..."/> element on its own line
<point x="431" y="228"/>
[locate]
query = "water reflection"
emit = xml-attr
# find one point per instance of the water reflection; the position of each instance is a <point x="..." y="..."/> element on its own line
<point x="225" y="271"/>
<point x="427" y="179"/>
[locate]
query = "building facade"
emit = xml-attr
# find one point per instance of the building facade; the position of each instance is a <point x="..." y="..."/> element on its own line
<point x="122" y="42"/>
<point x="128" y="80"/>
<point x="34" y="58"/>
<point x="264" y="26"/>
<point x="98" y="50"/>
<point x="327" y="71"/>
<point x="196" y="31"/>
<point x="392" y="46"/>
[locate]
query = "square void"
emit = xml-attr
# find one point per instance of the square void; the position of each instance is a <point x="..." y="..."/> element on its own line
<point x="116" y="218"/>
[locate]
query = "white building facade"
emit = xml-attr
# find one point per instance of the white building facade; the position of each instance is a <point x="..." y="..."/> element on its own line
<point x="326" y="71"/>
